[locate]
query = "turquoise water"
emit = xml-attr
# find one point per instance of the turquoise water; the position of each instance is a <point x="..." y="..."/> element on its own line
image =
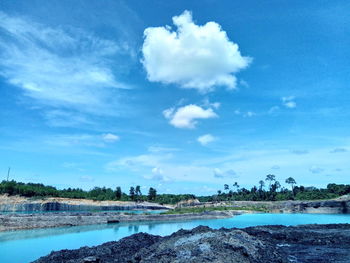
<point x="26" y="246"/>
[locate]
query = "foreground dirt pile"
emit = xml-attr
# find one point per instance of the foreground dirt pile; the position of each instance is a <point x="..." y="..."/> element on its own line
<point x="308" y="243"/>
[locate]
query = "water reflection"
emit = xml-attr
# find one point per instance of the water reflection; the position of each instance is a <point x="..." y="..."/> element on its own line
<point x="133" y="228"/>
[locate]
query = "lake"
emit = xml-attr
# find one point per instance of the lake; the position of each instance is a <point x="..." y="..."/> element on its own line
<point x="28" y="245"/>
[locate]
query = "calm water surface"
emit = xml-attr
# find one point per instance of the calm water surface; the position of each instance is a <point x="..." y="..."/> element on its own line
<point x="26" y="246"/>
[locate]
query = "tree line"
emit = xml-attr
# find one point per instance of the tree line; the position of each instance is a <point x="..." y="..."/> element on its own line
<point x="96" y="193"/>
<point x="267" y="190"/>
<point x="270" y="189"/>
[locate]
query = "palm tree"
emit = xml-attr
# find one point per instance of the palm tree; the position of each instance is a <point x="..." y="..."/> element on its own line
<point x="138" y="190"/>
<point x="270" y="178"/>
<point x="132" y="193"/>
<point x="236" y="185"/>
<point x="292" y="182"/>
<point x="262" y="184"/>
<point x="138" y="193"/>
<point x="226" y="187"/>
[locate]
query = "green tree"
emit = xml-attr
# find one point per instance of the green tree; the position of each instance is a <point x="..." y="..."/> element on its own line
<point x="132" y="193"/>
<point x="152" y="194"/>
<point x="118" y="193"/>
<point x="270" y="178"/>
<point x="292" y="182"/>
<point x="236" y="185"/>
<point x="262" y="184"/>
<point x="273" y="190"/>
<point x="226" y="187"/>
<point x="138" y="190"/>
<point x="138" y="193"/>
<point x="275" y="186"/>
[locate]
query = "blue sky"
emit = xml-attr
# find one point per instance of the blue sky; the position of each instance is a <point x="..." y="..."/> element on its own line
<point x="184" y="96"/>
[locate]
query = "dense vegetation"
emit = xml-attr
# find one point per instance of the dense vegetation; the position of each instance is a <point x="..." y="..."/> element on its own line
<point x="271" y="190"/>
<point x="97" y="193"/>
<point x="268" y="190"/>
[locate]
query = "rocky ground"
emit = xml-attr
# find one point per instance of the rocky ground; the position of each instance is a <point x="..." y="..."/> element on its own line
<point x="340" y="205"/>
<point x="263" y="244"/>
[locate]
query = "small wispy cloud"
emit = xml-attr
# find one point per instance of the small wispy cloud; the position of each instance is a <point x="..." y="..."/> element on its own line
<point x="74" y="166"/>
<point x="273" y="109"/>
<point x="139" y="161"/>
<point x="206" y="139"/>
<point x="275" y="167"/>
<point x="65" y="118"/>
<point x="160" y="149"/>
<point x="315" y="169"/>
<point x="243" y="83"/>
<point x="208" y="104"/>
<point x="289" y="102"/>
<point x="338" y="150"/>
<point x="218" y="173"/>
<point x="85" y="140"/>
<point x="110" y="137"/>
<point x="246" y="114"/>
<point x="86" y="179"/>
<point x="299" y="152"/>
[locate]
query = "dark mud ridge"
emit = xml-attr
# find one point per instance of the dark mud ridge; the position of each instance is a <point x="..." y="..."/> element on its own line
<point x="305" y="243"/>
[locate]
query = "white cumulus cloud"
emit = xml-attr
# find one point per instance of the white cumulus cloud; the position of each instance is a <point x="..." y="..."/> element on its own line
<point x="187" y="116"/>
<point x="192" y="56"/>
<point x="205" y="139"/>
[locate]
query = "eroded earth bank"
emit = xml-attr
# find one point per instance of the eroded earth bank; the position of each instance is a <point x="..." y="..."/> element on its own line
<point x="60" y="219"/>
<point x="306" y="243"/>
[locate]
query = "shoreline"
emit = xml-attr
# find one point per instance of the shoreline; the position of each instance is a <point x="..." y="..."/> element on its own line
<point x="13" y="222"/>
<point x="49" y="213"/>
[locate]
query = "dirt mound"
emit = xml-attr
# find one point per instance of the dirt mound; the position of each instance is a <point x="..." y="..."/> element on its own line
<point x="262" y="244"/>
